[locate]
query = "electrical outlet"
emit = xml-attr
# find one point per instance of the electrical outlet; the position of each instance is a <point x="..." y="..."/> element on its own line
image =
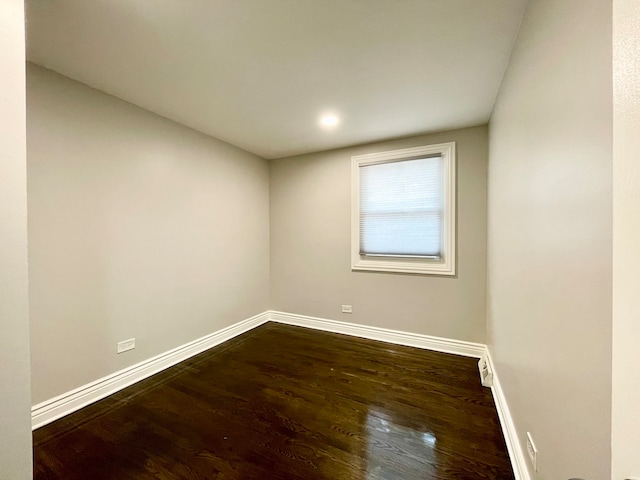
<point x="126" y="345"/>
<point x="486" y="375"/>
<point x="532" y="451"/>
<point x="347" y="309"/>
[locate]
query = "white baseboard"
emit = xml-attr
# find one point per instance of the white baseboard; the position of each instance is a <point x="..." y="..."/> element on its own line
<point x="57" y="407"/>
<point x="516" y="453"/>
<point x="438" y="344"/>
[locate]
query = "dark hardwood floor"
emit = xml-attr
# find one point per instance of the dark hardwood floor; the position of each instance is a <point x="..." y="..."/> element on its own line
<point x="282" y="402"/>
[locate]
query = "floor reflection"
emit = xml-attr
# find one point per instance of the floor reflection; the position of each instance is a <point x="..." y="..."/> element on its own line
<point x="397" y="451"/>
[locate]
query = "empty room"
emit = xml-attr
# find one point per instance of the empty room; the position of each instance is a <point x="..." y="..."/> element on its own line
<point x="337" y="239"/>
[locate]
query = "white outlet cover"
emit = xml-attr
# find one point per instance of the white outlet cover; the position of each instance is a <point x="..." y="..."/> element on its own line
<point x="126" y="345"/>
<point x="486" y="375"/>
<point x="532" y="451"/>
<point x="347" y="309"/>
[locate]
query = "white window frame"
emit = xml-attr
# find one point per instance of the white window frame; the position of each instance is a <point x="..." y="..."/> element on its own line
<point x="446" y="264"/>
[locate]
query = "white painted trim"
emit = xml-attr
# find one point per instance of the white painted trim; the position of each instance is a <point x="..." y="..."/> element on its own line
<point x="516" y="453"/>
<point x="57" y="407"/>
<point x="444" y="266"/>
<point x="438" y="344"/>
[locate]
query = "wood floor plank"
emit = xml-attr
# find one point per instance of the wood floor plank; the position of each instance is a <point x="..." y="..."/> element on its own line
<point x="283" y="402"/>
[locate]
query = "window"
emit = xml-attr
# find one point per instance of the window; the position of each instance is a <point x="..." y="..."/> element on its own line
<point x="403" y="210"/>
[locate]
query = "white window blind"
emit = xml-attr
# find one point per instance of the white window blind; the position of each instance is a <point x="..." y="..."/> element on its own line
<point x="402" y="208"/>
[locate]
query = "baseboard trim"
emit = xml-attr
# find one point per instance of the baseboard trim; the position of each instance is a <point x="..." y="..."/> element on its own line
<point x="438" y="344"/>
<point x="62" y="405"/>
<point x="57" y="407"/>
<point x="516" y="453"/>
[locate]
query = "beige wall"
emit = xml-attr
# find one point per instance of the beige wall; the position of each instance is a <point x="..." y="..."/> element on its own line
<point x="15" y="421"/>
<point x="550" y="218"/>
<point x="626" y="240"/>
<point x="138" y="227"/>
<point x="310" y="246"/>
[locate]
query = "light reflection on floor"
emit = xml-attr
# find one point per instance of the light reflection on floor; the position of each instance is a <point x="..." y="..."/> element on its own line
<point x="396" y="451"/>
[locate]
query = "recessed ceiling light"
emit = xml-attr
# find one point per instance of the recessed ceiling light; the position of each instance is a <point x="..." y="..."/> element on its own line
<point x="329" y="120"/>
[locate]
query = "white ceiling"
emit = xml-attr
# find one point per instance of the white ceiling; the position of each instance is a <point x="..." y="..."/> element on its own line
<point x="259" y="73"/>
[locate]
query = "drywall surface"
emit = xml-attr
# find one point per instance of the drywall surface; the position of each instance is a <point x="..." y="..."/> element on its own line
<point x="550" y="240"/>
<point x="626" y="240"/>
<point x="15" y="420"/>
<point x="311" y="238"/>
<point x="138" y="228"/>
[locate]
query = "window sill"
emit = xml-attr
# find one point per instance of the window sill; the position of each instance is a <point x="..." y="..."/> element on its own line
<point x="414" y="266"/>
